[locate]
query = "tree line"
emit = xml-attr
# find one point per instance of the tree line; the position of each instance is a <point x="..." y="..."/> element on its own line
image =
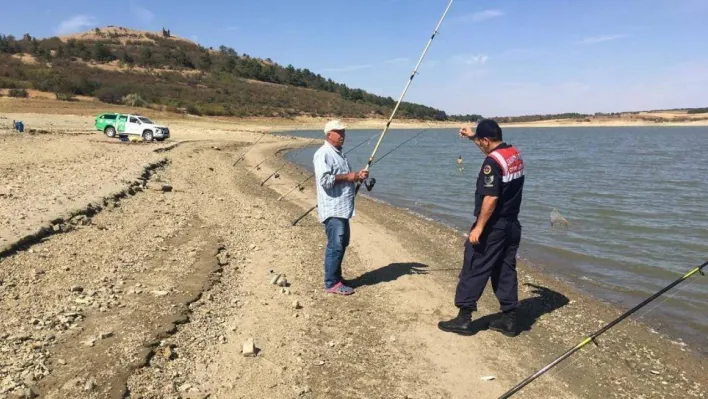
<point x="224" y="63"/>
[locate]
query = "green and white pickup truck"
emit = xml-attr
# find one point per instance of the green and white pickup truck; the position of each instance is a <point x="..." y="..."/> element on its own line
<point x="114" y="124"/>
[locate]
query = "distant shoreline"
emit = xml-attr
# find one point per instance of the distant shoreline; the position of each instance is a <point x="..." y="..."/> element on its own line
<point x="43" y="103"/>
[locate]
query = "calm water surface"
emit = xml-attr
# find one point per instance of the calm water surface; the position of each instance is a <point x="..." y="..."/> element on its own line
<point x="637" y="199"/>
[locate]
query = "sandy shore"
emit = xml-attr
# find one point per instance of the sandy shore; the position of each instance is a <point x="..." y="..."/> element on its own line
<point x="144" y="268"/>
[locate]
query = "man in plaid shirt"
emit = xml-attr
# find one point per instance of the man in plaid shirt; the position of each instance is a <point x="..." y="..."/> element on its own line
<point x="335" y="202"/>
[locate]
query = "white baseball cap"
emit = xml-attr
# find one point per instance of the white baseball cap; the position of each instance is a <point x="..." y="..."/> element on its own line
<point x="334" y="125"/>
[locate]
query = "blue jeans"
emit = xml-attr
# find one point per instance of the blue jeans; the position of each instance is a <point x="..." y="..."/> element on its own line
<point x="337" y="230"/>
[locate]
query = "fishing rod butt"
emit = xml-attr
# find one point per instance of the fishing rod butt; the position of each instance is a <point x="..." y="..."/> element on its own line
<point x="303" y="215"/>
<point x="294" y="222"/>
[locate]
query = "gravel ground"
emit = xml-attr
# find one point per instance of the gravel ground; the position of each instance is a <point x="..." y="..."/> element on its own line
<point x="162" y="269"/>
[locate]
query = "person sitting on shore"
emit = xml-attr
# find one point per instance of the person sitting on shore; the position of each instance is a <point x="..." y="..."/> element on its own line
<point x="335" y="202"/>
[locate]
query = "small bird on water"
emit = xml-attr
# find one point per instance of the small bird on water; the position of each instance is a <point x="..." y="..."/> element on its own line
<point x="557" y="218"/>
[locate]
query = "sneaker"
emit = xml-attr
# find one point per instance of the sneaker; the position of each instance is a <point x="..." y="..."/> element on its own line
<point x="340" y="289"/>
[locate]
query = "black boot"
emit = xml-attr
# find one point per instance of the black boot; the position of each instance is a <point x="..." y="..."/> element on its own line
<point x="462" y="324"/>
<point x="506" y="324"/>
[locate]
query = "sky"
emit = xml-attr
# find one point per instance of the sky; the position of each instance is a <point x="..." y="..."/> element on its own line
<point x="491" y="57"/>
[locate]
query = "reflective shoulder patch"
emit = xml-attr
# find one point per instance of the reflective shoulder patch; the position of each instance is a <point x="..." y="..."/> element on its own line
<point x="489" y="181"/>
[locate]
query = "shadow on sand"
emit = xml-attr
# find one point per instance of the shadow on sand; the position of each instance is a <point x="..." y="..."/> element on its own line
<point x="544" y="301"/>
<point x="388" y="273"/>
<point x="529" y="310"/>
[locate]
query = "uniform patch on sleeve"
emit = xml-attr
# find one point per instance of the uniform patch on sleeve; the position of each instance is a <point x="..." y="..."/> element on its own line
<point x="487" y="169"/>
<point x="488" y="181"/>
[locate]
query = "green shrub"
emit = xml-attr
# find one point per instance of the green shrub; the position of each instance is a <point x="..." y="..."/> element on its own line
<point x="8" y="83"/>
<point x="133" y="100"/>
<point x="65" y="97"/>
<point x="193" y="110"/>
<point x="697" y="111"/>
<point x="19" y="93"/>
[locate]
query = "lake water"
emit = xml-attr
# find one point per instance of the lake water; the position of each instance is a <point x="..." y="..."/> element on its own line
<point x="636" y="198"/>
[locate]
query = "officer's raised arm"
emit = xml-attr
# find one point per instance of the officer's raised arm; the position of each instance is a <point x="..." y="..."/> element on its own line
<point x="468" y="132"/>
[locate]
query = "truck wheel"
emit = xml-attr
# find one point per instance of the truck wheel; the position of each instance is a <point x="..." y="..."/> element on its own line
<point x="147" y="135"/>
<point x="110" y="131"/>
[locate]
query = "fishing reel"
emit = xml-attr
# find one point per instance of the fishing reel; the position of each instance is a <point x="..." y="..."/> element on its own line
<point x="369" y="183"/>
<point x="277" y="175"/>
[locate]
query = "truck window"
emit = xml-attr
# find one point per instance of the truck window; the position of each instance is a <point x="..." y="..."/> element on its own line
<point x="123" y="118"/>
<point x="133" y="120"/>
<point x="110" y="117"/>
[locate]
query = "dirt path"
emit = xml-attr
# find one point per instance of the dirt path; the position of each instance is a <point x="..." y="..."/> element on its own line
<point x="153" y="294"/>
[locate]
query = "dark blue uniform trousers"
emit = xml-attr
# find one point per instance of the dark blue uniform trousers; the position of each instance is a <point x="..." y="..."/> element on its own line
<point x="495" y="257"/>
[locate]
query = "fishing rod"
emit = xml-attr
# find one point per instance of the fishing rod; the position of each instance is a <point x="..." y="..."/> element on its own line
<point x="398" y="104"/>
<point x="596" y="334"/>
<point x="258" y="166"/>
<point x="403" y="94"/>
<point x="250" y="148"/>
<point x="313" y="175"/>
<point x="275" y="173"/>
<point x="369" y="186"/>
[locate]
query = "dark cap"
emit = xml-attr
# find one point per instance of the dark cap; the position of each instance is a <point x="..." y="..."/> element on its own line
<point x="487" y="128"/>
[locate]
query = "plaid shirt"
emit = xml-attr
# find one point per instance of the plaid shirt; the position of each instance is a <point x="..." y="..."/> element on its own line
<point x="333" y="200"/>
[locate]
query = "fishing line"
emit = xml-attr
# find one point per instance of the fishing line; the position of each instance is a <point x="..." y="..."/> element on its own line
<point x="398" y="104"/>
<point x="275" y="173"/>
<point x="250" y="148"/>
<point x="313" y="175"/>
<point x="263" y="161"/>
<point x="372" y="181"/>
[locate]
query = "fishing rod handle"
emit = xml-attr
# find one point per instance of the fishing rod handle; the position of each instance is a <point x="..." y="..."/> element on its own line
<point x="267" y="178"/>
<point x="303" y="215"/>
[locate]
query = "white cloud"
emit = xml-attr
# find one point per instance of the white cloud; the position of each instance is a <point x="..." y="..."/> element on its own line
<point x="478" y="16"/>
<point x="141" y="13"/>
<point x="348" y="68"/>
<point x="75" y="24"/>
<point x="486" y="14"/>
<point x="467" y="59"/>
<point x="396" y="60"/>
<point x="601" y="38"/>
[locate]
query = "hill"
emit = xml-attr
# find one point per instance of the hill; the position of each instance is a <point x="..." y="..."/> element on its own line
<point x="159" y="70"/>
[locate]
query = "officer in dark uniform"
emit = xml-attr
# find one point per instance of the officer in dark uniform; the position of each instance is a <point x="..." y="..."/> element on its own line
<point x="490" y="251"/>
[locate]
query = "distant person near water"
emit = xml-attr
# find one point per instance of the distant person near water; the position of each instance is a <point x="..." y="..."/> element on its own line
<point x="335" y="202"/>
<point x="494" y="238"/>
<point x="459" y="163"/>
